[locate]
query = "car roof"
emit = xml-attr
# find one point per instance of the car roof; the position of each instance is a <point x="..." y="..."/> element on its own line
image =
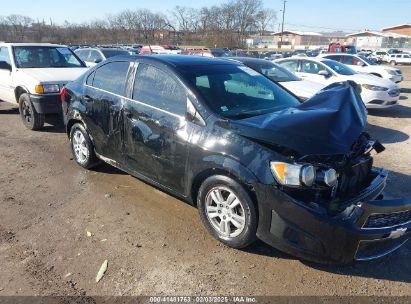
<point x="33" y="44"/>
<point x="176" y="60"/>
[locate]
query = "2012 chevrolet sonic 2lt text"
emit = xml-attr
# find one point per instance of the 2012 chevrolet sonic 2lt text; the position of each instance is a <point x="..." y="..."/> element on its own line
<point x="255" y="161"/>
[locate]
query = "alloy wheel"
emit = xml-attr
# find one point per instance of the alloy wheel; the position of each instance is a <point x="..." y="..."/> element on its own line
<point x="80" y="147"/>
<point x="225" y="212"/>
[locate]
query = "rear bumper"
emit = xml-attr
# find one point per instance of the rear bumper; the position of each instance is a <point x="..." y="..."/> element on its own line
<point x="46" y="104"/>
<point x="311" y="234"/>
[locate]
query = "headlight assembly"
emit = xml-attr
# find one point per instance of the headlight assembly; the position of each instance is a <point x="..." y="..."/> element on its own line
<point x="293" y="174"/>
<point x="47" y="88"/>
<point x="374" y="87"/>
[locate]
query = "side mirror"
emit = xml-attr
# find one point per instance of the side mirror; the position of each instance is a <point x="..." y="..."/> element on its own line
<point x="5" y="66"/>
<point x="97" y="60"/>
<point x="324" y="73"/>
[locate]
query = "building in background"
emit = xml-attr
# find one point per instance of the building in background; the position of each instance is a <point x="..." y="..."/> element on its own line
<point x="375" y="40"/>
<point x="402" y="29"/>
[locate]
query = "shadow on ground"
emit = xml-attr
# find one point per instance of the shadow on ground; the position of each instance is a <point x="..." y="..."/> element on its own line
<point x="12" y="111"/>
<point x="386" y="135"/>
<point x="399" y="111"/>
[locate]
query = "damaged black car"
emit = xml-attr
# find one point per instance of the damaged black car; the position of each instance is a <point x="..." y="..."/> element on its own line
<point x="256" y="161"/>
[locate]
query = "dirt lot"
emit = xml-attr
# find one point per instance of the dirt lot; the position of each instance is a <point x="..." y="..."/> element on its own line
<point x="154" y="243"/>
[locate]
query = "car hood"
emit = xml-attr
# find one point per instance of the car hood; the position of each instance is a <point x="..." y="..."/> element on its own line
<point x="54" y="75"/>
<point x="303" y="88"/>
<point x="327" y="124"/>
<point x="362" y="78"/>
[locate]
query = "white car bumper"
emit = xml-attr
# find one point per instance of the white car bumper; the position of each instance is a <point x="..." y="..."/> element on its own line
<point x="380" y="99"/>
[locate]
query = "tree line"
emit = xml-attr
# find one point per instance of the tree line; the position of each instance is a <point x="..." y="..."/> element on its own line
<point x="224" y="25"/>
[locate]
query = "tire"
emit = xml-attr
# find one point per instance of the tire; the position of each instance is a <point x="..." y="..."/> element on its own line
<point x="31" y="119"/>
<point x="393" y="63"/>
<point x="237" y="226"/>
<point x="82" y="147"/>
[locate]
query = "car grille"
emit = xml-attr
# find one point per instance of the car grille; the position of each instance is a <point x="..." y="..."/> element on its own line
<point x="353" y="179"/>
<point x="388" y="220"/>
<point x="394" y="93"/>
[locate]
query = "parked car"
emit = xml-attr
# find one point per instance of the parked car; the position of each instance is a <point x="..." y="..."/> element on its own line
<point x="205" y="52"/>
<point x="376" y="92"/>
<point x="383" y="55"/>
<point x="253" y="159"/>
<point x="402" y="58"/>
<point x="304" y="89"/>
<point x="93" y="56"/>
<point x="32" y="75"/>
<point x="159" y="49"/>
<point x="361" y="64"/>
<point x="272" y="55"/>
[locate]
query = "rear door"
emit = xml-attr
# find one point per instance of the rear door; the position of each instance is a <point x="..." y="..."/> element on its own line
<point x="103" y="98"/>
<point x="6" y="77"/>
<point x="155" y="127"/>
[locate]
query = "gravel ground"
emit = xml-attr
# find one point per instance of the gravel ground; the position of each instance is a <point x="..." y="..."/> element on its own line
<point x="154" y="243"/>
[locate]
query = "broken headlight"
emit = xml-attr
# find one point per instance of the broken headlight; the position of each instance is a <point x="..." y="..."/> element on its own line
<point x="293" y="174"/>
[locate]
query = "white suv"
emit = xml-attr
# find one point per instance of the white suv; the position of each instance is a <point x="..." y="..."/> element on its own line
<point x="33" y="75"/>
<point x="403" y="58"/>
<point x="361" y="64"/>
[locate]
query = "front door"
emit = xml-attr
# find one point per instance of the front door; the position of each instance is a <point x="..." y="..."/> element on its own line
<point x="156" y="131"/>
<point x="6" y="78"/>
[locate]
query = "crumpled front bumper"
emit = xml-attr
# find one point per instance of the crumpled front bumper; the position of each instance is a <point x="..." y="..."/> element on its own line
<point x="311" y="234"/>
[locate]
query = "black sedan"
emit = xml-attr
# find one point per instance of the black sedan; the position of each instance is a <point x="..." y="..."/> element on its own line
<point x="255" y="161"/>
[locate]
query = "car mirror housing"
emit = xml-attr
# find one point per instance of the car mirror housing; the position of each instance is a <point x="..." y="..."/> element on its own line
<point x="5" y="66"/>
<point x="97" y="60"/>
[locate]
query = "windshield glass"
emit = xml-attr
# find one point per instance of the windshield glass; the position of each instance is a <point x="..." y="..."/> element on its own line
<point x="370" y="62"/>
<point x="112" y="53"/>
<point x="340" y="68"/>
<point x="275" y="72"/>
<point x="45" y="57"/>
<point x="237" y="91"/>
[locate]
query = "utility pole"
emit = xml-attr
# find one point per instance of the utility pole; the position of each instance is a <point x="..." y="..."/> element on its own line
<point x="282" y="25"/>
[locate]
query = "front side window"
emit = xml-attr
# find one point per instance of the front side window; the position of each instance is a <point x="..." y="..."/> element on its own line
<point x="350" y="60"/>
<point x="45" y="57"/>
<point x="277" y="73"/>
<point x="4" y="55"/>
<point x="83" y="54"/>
<point x="159" y="89"/>
<point x="95" y="56"/>
<point x="236" y="92"/>
<point x="341" y="69"/>
<point x="112" y="77"/>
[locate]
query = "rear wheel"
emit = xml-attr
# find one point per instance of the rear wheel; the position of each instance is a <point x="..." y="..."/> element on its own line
<point x="82" y="147"/>
<point x="31" y="119"/>
<point x="227" y="211"/>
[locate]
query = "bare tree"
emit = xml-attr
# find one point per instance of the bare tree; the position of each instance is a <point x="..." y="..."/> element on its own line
<point x="19" y="25"/>
<point x="266" y="19"/>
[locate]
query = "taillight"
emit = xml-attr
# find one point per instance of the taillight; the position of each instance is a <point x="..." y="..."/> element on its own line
<point x="63" y="94"/>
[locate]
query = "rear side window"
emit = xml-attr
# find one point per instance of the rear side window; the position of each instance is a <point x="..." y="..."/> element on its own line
<point x="334" y="57"/>
<point x="112" y="77"/>
<point x="290" y="65"/>
<point x="155" y="87"/>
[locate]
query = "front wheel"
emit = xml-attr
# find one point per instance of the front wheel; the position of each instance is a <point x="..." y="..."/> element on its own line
<point x="227" y="211"/>
<point x="393" y="62"/>
<point x="82" y="147"/>
<point x="31" y="119"/>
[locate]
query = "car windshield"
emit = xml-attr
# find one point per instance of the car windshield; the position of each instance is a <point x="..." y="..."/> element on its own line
<point x="340" y="68"/>
<point x="275" y="72"/>
<point x="45" y="57"/>
<point x="370" y="62"/>
<point x="237" y="91"/>
<point x="112" y="53"/>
